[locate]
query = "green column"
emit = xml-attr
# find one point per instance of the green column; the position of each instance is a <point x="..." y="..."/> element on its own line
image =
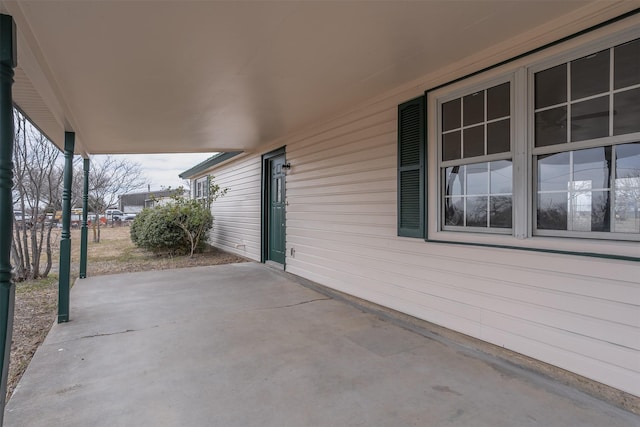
<point x="8" y="62"/>
<point x="84" y="231"/>
<point x="65" y="240"/>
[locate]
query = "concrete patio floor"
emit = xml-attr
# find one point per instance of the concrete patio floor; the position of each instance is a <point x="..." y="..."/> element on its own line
<point x="243" y="345"/>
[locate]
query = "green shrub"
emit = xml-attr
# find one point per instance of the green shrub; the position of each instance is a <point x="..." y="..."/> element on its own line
<point x="178" y="227"/>
<point x="137" y="225"/>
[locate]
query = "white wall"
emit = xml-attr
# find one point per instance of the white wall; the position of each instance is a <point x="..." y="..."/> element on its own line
<point x="579" y="313"/>
<point x="236" y="224"/>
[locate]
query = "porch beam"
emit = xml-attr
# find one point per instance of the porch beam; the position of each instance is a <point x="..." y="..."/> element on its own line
<point x="7" y="289"/>
<point x="84" y="231"/>
<point x="65" y="240"/>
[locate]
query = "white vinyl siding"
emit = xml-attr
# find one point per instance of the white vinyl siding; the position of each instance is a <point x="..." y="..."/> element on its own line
<point x="236" y="216"/>
<point x="579" y="313"/>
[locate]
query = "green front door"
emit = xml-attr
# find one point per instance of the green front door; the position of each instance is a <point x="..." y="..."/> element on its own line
<point x="276" y="210"/>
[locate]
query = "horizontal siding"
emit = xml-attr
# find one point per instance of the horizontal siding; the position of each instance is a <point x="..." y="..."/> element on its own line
<point x="236" y="225"/>
<point x="578" y="313"/>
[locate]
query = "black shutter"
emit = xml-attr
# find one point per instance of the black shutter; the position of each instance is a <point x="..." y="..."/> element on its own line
<point x="411" y="159"/>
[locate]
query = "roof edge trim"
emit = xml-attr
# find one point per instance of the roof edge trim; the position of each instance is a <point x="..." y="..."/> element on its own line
<point x="209" y="163"/>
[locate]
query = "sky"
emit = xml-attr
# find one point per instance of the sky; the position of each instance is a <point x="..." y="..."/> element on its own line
<point x="162" y="170"/>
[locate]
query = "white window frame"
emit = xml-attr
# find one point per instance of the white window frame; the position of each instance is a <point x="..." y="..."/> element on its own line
<point x="200" y="188"/>
<point x="480" y="159"/>
<point x="520" y="72"/>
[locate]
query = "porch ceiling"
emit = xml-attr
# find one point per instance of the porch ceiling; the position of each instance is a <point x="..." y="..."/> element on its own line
<point x="202" y="76"/>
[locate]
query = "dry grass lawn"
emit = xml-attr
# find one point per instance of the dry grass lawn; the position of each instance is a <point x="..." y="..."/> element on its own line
<point x="37" y="300"/>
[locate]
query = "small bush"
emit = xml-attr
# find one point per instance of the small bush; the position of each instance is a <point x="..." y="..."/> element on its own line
<point x="137" y="225"/>
<point x="178" y="227"/>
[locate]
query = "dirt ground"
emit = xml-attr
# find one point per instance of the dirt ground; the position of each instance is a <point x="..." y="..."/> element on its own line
<point x="37" y="300"/>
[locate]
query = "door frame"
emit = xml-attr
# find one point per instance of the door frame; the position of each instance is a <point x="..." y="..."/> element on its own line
<point x="264" y="185"/>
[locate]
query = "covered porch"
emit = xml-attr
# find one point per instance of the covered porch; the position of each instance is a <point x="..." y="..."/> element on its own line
<point x="242" y="344"/>
<point x="252" y="78"/>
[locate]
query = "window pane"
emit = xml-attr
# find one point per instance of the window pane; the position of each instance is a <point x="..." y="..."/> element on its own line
<point x="628" y="160"/>
<point x="626" y="107"/>
<point x="477" y="179"/>
<point x="454" y="211"/>
<point x="626" y="66"/>
<point x="451" y="115"/>
<point x="589" y="210"/>
<point x="476" y="211"/>
<point x="553" y="172"/>
<point x="451" y="146"/>
<point x="592" y="166"/>
<point x="473" y="108"/>
<point x="500" y="212"/>
<point x="501" y="177"/>
<point x="499" y="137"/>
<point x="474" y="141"/>
<point x="627" y="184"/>
<point x="590" y="75"/>
<point x="278" y="190"/>
<point x="453" y="181"/>
<point x="552" y="211"/>
<point x="551" y="127"/>
<point x="600" y="211"/>
<point x="551" y="86"/>
<point x="590" y="119"/>
<point x="499" y="101"/>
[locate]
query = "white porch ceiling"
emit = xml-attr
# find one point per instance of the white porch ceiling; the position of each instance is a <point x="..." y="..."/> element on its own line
<point x="202" y="76"/>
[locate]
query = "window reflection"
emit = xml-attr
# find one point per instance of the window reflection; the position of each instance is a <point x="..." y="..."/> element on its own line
<point x="627" y="189"/>
<point x="476" y="211"/>
<point x="574" y="191"/>
<point x="454" y="180"/>
<point x="278" y="190"/>
<point x="479" y="195"/>
<point x="454" y="211"/>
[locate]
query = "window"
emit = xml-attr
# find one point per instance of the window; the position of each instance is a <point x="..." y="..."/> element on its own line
<point x="586" y="145"/>
<point x="476" y="160"/>
<point x="542" y="152"/>
<point x="201" y="189"/>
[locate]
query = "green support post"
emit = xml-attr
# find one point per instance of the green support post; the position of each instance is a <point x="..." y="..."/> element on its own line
<point x="84" y="240"/>
<point x="65" y="241"/>
<point x="8" y="62"/>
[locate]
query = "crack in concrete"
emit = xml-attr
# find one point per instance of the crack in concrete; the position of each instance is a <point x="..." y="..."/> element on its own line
<point x="107" y="334"/>
<point x="298" y="303"/>
<point x="115" y="333"/>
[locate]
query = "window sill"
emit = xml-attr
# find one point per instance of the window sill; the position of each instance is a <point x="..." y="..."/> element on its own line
<point x="573" y="246"/>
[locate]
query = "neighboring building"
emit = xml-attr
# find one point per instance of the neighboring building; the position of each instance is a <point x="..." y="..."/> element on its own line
<point x="135" y="202"/>
<point x="490" y="199"/>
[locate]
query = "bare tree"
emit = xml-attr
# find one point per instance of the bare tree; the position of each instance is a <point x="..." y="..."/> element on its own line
<point x="110" y="177"/>
<point x="186" y="184"/>
<point x="38" y="176"/>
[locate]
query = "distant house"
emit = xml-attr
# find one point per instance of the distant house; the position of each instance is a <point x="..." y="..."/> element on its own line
<point x="135" y="202"/>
